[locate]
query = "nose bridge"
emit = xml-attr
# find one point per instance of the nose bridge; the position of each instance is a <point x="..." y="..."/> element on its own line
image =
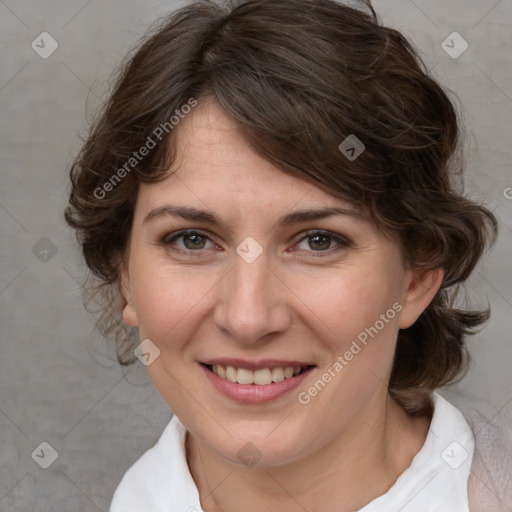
<point x="251" y="304"/>
<point x="250" y="279"/>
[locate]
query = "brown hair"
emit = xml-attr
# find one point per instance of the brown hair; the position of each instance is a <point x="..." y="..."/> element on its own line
<point x="298" y="77"/>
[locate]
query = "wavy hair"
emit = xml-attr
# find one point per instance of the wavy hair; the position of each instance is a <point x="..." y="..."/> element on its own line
<point x="298" y="77"/>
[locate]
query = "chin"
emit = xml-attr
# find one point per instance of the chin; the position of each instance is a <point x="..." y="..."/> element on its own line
<point x="254" y="448"/>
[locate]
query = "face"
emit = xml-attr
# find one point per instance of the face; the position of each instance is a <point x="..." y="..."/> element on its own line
<point x="221" y="270"/>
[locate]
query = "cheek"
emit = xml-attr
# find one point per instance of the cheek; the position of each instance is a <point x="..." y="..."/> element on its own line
<point x="168" y="305"/>
<point x="167" y="300"/>
<point x="350" y="301"/>
<point x="359" y="318"/>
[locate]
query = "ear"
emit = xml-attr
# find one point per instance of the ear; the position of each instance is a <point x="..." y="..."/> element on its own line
<point x="129" y="313"/>
<point x="422" y="288"/>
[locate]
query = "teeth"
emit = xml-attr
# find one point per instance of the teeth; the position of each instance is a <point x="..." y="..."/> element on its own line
<point x="245" y="376"/>
<point x="231" y="373"/>
<point x="277" y="374"/>
<point x="261" y="377"/>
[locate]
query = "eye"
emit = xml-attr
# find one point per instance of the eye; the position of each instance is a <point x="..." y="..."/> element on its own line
<point x="192" y="240"/>
<point x="322" y="241"/>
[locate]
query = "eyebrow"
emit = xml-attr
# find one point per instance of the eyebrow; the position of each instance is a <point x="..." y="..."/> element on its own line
<point x="290" y="219"/>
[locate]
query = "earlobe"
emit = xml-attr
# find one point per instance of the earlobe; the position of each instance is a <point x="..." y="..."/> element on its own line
<point x="421" y="290"/>
<point x="129" y="313"/>
<point x="130" y="316"/>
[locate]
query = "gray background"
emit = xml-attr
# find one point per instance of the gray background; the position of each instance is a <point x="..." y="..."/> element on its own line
<point x="58" y="380"/>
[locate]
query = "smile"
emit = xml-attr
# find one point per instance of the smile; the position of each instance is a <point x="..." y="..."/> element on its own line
<point x="265" y="382"/>
<point x="261" y="377"/>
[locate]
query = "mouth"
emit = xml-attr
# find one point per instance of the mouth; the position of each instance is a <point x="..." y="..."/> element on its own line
<point x="251" y="383"/>
<point x="260" y="377"/>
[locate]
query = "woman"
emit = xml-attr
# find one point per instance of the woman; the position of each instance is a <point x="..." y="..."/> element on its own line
<point x="267" y="199"/>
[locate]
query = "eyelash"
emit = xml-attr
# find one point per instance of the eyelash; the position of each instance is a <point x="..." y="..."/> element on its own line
<point x="168" y="240"/>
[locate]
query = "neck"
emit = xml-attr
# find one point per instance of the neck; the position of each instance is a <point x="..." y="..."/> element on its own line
<point x="351" y="470"/>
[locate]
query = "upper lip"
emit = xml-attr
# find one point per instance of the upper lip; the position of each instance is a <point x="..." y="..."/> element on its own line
<point x="255" y="365"/>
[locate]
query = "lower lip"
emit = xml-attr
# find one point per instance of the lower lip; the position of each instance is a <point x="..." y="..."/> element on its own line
<point x="254" y="393"/>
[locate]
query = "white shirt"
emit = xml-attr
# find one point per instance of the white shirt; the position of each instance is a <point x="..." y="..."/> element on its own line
<point x="436" y="480"/>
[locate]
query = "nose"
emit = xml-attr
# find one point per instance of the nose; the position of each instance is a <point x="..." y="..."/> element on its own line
<point x="252" y="302"/>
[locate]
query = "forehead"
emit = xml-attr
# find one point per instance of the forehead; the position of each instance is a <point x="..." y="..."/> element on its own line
<point x="214" y="164"/>
<point x="210" y="147"/>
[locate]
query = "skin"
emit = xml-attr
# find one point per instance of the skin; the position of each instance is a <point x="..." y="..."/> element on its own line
<point x="302" y="298"/>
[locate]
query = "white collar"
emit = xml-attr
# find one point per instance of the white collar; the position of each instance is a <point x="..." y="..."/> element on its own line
<point x="436" y="481"/>
<point x="160" y="481"/>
